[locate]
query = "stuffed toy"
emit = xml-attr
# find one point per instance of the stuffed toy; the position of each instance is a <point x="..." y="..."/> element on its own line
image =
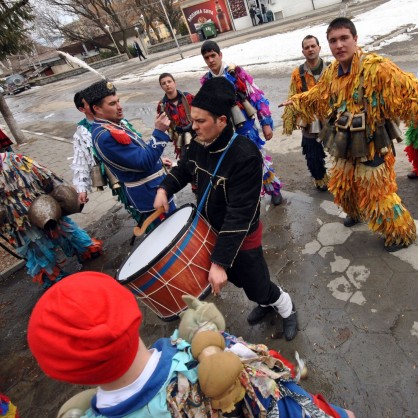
<point x="200" y="326"/>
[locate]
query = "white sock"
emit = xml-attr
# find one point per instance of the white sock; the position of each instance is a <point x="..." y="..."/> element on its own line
<point x="283" y="305"/>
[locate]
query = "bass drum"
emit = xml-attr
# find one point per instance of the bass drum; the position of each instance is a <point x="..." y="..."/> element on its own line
<point x="171" y="261"/>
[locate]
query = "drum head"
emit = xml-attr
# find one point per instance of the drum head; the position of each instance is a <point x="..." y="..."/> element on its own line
<point x="156" y="244"/>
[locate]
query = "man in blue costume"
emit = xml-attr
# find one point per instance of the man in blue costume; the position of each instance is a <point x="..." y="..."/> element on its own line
<point x="137" y="165"/>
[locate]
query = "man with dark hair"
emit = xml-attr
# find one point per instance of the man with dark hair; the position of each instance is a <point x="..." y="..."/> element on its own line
<point x="250" y="102"/>
<point x="226" y="172"/>
<point x="362" y="95"/>
<point x="83" y="159"/>
<point x="176" y="105"/>
<point x="304" y="77"/>
<point x="136" y="165"/>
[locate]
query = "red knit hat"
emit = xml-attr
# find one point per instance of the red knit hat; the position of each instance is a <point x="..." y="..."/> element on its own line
<point x="85" y="329"/>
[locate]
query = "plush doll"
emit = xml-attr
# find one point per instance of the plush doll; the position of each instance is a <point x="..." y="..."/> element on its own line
<point x="200" y="326"/>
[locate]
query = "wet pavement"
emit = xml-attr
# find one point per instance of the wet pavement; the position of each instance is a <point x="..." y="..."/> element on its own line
<point x="358" y="315"/>
<point x="357" y="304"/>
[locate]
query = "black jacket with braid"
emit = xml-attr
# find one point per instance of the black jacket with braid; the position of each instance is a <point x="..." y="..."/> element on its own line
<point x="233" y="204"/>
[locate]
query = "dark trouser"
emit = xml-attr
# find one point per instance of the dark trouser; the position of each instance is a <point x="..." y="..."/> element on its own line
<point x="141" y="55"/>
<point x="253" y="19"/>
<point x="250" y="272"/>
<point x="315" y="157"/>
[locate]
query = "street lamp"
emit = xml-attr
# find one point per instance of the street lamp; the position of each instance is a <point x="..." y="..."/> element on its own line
<point x="172" y="31"/>
<point x="107" y="27"/>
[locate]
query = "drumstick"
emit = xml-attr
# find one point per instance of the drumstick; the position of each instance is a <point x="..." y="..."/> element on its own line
<point x="139" y="231"/>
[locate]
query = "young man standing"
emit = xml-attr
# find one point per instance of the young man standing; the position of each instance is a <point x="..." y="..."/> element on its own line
<point x="230" y="201"/>
<point x="363" y="94"/>
<point x="137" y="165"/>
<point x="304" y="77"/>
<point x="250" y="102"/>
<point x="83" y="159"/>
<point x="176" y="105"/>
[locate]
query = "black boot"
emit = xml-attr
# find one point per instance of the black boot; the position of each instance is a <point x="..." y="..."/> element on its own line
<point x="290" y="325"/>
<point x="258" y="313"/>
<point x="349" y="221"/>
<point x="412" y="176"/>
<point x="277" y="199"/>
<point x="395" y="247"/>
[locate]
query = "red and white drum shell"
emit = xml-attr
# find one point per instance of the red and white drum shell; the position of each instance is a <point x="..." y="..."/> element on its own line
<point x="171" y="261"/>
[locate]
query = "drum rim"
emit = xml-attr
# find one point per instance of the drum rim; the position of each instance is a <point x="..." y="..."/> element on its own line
<point x="163" y="252"/>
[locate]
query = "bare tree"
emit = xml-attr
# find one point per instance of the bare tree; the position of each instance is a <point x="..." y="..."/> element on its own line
<point x="174" y="14"/>
<point x="151" y="10"/>
<point x="11" y="121"/>
<point x="14" y="16"/>
<point x="93" y="17"/>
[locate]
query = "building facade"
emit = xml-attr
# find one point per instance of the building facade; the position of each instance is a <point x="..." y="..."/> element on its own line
<point x="230" y="15"/>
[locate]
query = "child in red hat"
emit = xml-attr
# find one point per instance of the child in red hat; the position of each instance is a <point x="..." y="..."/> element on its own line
<point x="85" y="330"/>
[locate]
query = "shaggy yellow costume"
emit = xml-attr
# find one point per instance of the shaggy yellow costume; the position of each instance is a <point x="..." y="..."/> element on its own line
<point x="365" y="190"/>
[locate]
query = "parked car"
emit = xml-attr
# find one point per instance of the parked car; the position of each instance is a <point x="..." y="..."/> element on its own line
<point x="15" y="83"/>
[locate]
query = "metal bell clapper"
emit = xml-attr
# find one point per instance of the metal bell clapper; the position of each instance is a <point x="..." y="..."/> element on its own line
<point x="97" y="178"/>
<point x="393" y="130"/>
<point x="250" y="110"/>
<point x="340" y="144"/>
<point x="237" y="117"/>
<point x="381" y="137"/>
<point x="359" y="146"/>
<point x="113" y="180"/>
<point x="315" y="126"/>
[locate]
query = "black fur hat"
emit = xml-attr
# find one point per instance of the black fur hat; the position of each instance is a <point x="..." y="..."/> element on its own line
<point x="98" y="91"/>
<point x="217" y="96"/>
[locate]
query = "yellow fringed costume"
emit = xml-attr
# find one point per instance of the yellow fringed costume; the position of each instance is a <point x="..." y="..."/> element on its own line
<point x="312" y="149"/>
<point x="366" y="187"/>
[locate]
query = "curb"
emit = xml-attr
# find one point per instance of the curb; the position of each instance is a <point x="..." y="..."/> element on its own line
<point x="12" y="269"/>
<point x="47" y="136"/>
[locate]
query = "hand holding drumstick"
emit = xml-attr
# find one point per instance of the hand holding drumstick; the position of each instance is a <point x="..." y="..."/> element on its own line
<point x="217" y="278"/>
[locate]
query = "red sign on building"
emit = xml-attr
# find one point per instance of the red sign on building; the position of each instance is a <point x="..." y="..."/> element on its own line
<point x="214" y="11"/>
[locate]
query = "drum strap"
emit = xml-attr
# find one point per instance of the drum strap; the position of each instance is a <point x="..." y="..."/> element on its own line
<point x="193" y="226"/>
<point x="205" y="195"/>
